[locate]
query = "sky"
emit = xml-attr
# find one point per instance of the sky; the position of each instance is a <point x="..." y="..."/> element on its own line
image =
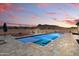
<point x="31" y="14"/>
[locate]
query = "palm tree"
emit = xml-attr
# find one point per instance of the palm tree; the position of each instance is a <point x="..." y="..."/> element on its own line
<point x="77" y="26"/>
<point x="5" y="28"/>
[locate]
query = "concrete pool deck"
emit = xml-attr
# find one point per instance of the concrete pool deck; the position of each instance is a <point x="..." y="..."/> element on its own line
<point x="64" y="46"/>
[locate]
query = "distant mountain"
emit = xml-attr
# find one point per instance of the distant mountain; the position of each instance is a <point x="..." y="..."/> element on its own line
<point x="46" y="26"/>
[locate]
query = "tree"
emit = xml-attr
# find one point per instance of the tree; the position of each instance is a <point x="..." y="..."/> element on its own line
<point x="5" y="28"/>
<point x="77" y="26"/>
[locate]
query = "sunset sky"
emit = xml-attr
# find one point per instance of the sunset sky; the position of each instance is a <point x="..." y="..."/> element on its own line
<point x="60" y="14"/>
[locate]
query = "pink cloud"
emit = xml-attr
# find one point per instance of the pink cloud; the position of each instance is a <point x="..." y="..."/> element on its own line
<point x="14" y="17"/>
<point x="77" y="20"/>
<point x="20" y="9"/>
<point x="43" y="5"/>
<point x="76" y="5"/>
<point x="72" y="22"/>
<point x="18" y="17"/>
<point x="1" y="22"/>
<point x="2" y="8"/>
<point x="9" y="7"/>
<point x="5" y="7"/>
<point x="19" y="24"/>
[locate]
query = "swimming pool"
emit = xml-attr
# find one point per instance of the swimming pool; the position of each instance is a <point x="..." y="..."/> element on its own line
<point x="42" y="39"/>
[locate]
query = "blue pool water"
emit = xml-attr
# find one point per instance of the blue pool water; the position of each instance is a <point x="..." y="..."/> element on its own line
<point x="42" y="39"/>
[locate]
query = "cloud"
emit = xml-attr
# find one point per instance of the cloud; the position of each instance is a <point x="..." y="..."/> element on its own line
<point x="50" y="14"/>
<point x="20" y="9"/>
<point x="76" y="5"/>
<point x="77" y="20"/>
<point x="18" y="17"/>
<point x="1" y="22"/>
<point x="19" y="24"/>
<point x="66" y="23"/>
<point x="5" y="7"/>
<point x="33" y="17"/>
<point x="66" y="14"/>
<point x="43" y="5"/>
<point x="14" y="17"/>
<point x="72" y="22"/>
